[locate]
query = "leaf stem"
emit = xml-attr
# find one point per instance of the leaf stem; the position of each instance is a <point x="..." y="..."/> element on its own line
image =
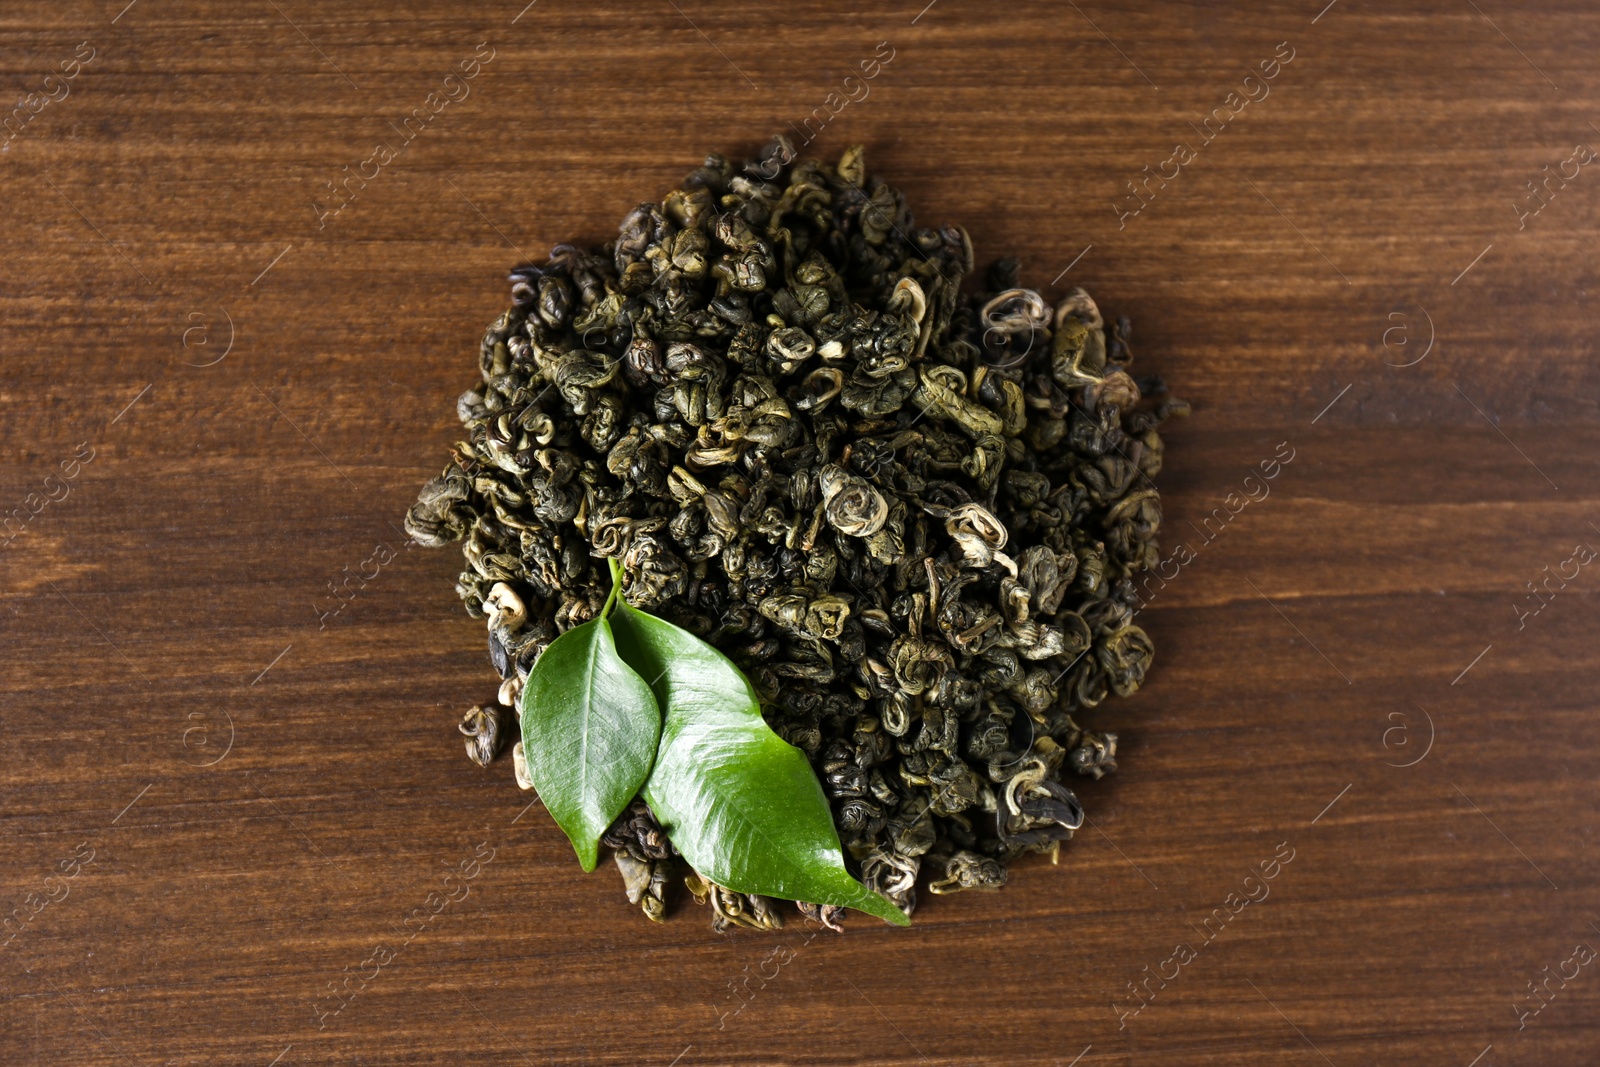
<point x="616" y="586"/>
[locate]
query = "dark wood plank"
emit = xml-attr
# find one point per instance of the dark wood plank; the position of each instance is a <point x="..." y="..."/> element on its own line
<point x="1315" y="644"/>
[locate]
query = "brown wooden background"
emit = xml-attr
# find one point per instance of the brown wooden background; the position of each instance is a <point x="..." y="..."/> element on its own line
<point x="267" y="799"/>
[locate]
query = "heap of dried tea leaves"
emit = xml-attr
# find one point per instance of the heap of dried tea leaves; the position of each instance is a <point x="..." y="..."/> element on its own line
<point x="912" y="516"/>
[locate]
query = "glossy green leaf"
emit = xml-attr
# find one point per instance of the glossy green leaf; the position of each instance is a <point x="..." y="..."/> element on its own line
<point x="590" y="726"/>
<point x="742" y="805"/>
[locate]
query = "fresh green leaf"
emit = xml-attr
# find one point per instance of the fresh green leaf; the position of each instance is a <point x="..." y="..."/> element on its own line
<point x="590" y="726"/>
<point x="742" y="805"/>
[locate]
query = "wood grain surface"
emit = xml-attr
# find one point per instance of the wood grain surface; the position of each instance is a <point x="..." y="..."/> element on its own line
<point x="218" y="397"/>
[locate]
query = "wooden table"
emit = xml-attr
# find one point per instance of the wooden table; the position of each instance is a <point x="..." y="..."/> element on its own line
<point x="219" y="395"/>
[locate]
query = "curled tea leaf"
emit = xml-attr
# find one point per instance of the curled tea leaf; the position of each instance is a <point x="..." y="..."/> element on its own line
<point x="481" y="728"/>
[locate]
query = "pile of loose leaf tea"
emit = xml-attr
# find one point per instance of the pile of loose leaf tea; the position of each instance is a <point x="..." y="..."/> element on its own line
<point x="798" y="560"/>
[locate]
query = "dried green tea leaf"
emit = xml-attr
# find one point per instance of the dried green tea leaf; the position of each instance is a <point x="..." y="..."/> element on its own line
<point x="741" y="804"/>
<point x="913" y="501"/>
<point x="590" y="726"/>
